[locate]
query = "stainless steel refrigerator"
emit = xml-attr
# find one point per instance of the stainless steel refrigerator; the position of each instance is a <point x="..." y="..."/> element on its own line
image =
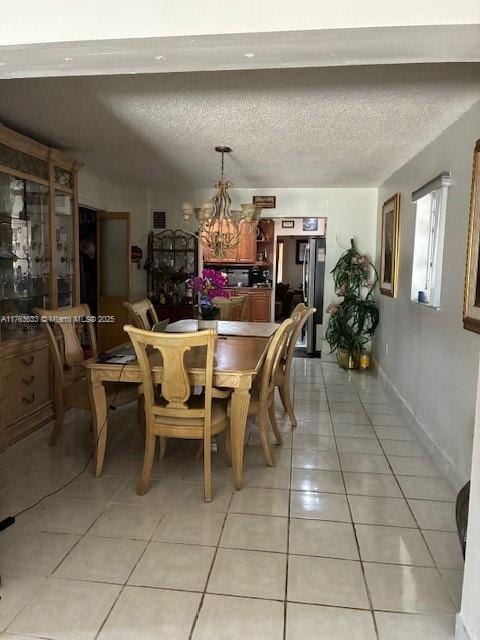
<point x="313" y="284"/>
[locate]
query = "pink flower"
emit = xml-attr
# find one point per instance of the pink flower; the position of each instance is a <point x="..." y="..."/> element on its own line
<point x="332" y="309"/>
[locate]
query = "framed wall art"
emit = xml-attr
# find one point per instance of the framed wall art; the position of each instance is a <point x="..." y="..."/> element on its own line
<point x="266" y="202"/>
<point x="471" y="298"/>
<point x="390" y="246"/>
<point x="310" y="224"/>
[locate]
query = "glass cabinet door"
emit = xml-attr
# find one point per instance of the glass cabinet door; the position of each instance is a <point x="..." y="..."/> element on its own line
<point x="24" y="251"/>
<point x="65" y="247"/>
<point x="39" y="243"/>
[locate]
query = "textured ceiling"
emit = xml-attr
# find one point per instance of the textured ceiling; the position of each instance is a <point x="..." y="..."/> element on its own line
<point x="326" y="127"/>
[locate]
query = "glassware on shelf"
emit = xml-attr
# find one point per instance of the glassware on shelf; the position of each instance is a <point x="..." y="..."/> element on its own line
<point x="172" y="259"/>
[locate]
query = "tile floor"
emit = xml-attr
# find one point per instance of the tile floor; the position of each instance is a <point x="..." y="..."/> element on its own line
<point x="350" y="537"/>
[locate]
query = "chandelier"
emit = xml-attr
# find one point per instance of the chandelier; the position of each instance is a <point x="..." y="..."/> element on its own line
<point x="218" y="225"/>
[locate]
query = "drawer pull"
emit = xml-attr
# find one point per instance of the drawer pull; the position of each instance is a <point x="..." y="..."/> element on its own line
<point x="29" y="400"/>
<point x="28" y="361"/>
<point x="29" y="381"/>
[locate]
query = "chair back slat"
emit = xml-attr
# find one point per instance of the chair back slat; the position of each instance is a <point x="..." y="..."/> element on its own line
<point x="142" y="314"/>
<point x="176" y="384"/>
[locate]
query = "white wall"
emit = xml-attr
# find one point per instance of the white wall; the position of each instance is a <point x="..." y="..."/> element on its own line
<point x="28" y="21"/>
<point x="468" y="620"/>
<point x="100" y="193"/>
<point x="349" y="212"/>
<point x="432" y="361"/>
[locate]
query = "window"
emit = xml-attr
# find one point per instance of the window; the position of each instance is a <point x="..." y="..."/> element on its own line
<point x="431" y="204"/>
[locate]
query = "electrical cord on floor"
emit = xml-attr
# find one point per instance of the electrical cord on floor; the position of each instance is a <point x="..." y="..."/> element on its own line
<point x="9" y="520"/>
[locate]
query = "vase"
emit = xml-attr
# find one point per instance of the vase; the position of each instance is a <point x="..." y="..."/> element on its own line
<point x="209" y="313"/>
<point x="208" y="324"/>
<point x="365" y="360"/>
<point x="346" y="360"/>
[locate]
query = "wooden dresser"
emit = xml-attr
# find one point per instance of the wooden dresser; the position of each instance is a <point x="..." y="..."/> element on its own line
<point x="25" y="388"/>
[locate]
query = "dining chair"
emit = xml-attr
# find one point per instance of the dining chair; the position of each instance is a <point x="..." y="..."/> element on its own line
<point x="178" y="413"/>
<point x="263" y="389"/>
<point x="299" y="315"/>
<point x="71" y="386"/>
<point x="142" y="314"/>
<point x="229" y="307"/>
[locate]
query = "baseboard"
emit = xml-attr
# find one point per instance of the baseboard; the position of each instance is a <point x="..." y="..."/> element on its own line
<point x="461" y="631"/>
<point x="440" y="458"/>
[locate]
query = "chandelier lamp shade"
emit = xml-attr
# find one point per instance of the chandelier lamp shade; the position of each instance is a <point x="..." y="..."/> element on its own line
<point x="218" y="224"/>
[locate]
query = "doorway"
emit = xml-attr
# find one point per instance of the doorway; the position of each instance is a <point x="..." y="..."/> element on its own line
<point x="88" y="244"/>
<point x="104" y="242"/>
<point x="299" y="276"/>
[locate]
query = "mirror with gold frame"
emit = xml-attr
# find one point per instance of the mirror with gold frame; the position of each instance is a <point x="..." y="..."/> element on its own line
<point x="471" y="299"/>
<point x="390" y="246"/>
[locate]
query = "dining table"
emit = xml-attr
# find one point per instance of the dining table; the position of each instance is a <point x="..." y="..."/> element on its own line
<point x="227" y="327"/>
<point x="238" y="358"/>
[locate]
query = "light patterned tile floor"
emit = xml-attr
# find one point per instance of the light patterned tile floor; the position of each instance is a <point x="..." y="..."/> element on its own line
<point x="350" y="536"/>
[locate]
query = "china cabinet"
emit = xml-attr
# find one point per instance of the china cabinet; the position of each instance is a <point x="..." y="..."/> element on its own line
<point x="172" y="260"/>
<point x="38" y="268"/>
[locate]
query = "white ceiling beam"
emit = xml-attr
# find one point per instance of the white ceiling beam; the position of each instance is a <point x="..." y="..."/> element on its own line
<point x="268" y="50"/>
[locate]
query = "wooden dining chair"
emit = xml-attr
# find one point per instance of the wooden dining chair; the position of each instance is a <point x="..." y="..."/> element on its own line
<point x="231" y="307"/>
<point x="178" y="413"/>
<point x="142" y="314"/>
<point x="299" y="316"/>
<point x="71" y="386"/>
<point x="263" y="389"/>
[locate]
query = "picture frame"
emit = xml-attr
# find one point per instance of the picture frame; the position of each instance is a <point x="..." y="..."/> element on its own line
<point x="471" y="297"/>
<point x="390" y="246"/>
<point x="310" y="224"/>
<point x="265" y="202"/>
<point x="300" y="251"/>
<point x="288" y="224"/>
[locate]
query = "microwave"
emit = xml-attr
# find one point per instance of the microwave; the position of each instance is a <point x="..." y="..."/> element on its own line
<point x="238" y="277"/>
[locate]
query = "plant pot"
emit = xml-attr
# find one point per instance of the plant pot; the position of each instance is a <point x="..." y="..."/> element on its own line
<point x="346" y="360"/>
<point x="365" y="360"/>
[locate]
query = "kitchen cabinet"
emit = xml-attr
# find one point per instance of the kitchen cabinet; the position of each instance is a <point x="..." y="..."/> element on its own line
<point x="247" y="246"/>
<point x="258" y="305"/>
<point x="244" y="253"/>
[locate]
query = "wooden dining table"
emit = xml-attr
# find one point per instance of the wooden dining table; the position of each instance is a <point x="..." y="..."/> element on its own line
<point x="238" y="359"/>
<point x="227" y="328"/>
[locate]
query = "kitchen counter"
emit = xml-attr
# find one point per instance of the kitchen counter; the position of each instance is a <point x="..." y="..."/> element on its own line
<point x="248" y="288"/>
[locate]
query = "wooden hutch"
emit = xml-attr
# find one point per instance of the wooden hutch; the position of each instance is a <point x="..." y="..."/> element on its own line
<point x="39" y="258"/>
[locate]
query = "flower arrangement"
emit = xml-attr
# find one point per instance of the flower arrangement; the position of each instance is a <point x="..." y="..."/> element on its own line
<point x="353" y="320"/>
<point x="210" y="284"/>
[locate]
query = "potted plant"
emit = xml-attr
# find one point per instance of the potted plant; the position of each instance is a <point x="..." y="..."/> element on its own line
<point x="210" y="284"/>
<point x="352" y="321"/>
